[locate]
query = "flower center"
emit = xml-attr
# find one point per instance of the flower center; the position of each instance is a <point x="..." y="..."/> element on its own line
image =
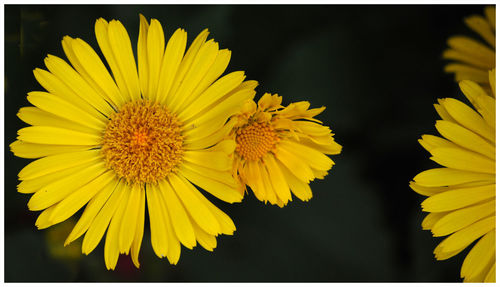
<point x="142" y="142"/>
<point x="254" y="140"/>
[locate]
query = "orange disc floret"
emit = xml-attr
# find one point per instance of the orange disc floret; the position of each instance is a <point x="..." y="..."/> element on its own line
<point x="143" y="142"/>
<point x="255" y="139"/>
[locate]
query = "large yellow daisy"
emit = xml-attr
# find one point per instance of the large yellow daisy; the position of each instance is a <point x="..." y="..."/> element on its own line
<point x="142" y="136"/>
<point x="280" y="149"/>
<point x="472" y="58"/>
<point x="461" y="194"/>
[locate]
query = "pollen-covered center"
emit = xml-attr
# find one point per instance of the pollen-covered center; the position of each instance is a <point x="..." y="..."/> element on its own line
<point x="254" y="140"/>
<point x="142" y="142"/>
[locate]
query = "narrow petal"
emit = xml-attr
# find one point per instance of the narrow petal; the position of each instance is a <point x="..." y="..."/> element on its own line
<point x="187" y="193"/>
<point x="213" y="160"/>
<point x="66" y="74"/>
<point x="313" y="158"/>
<point x="31" y="150"/>
<point x="159" y="239"/>
<point x="111" y="245"/>
<point x="483" y="103"/>
<point x="300" y="188"/>
<point x="37" y="117"/>
<point x="294" y="164"/>
<point x="461" y="218"/>
<point x="71" y="204"/>
<point x="479" y="25"/>
<point x="58" y="162"/>
<point x="180" y="219"/>
<point x="57" y="136"/>
<point x="458" y="198"/>
<point x="155" y="48"/>
<point x="431" y="219"/>
<point x="480" y="257"/>
<point x="64" y="109"/>
<point x="101" y="221"/>
<point x="459" y="158"/>
<point x="128" y="223"/>
<point x="58" y="190"/>
<point x="121" y="47"/>
<point x="461" y="239"/>
<point x="172" y="58"/>
<point x="142" y="55"/>
<point x="96" y="70"/>
<point x="448" y="176"/>
<point x="139" y="232"/>
<point x="279" y="183"/>
<point x="225" y="192"/>
<point x="61" y="89"/>
<point x="468" y="118"/>
<point x="90" y="212"/>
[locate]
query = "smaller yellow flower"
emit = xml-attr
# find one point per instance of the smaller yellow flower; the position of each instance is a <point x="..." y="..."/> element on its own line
<point x="280" y="149"/>
<point x="473" y="59"/>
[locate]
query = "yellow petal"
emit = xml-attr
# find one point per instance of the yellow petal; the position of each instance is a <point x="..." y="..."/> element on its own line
<point x="483" y="103"/>
<point x="222" y="191"/>
<point x="58" y="162"/>
<point x="102" y="35"/>
<point x="70" y="77"/>
<point x="96" y="70"/>
<point x="57" y="136"/>
<point x="119" y="42"/>
<point x="430" y="142"/>
<point x="180" y="219"/>
<point x="36" y="184"/>
<point x="491" y="276"/>
<point x="206" y="240"/>
<point x="279" y="183"/>
<point x="66" y="110"/>
<point x="61" y="89"/>
<point x="480" y="55"/>
<point x="300" y="188"/>
<point x="448" y="176"/>
<point x="128" y="223"/>
<point x="159" y="240"/>
<point x="466" y="72"/>
<point x="36" y="117"/>
<point x="101" y="221"/>
<point x="426" y="191"/>
<point x="195" y="143"/>
<point x="479" y="25"/>
<point x="462" y="159"/>
<point x="174" y="246"/>
<point x="76" y="200"/>
<point x="313" y="158"/>
<point x="463" y="217"/>
<point x="468" y="118"/>
<point x="155" y="48"/>
<point x="215" y="92"/>
<point x="196" y="208"/>
<point x="294" y="164"/>
<point x="172" y="58"/>
<point x="458" y="198"/>
<point x="111" y="245"/>
<point x="31" y="150"/>
<point x="142" y="55"/>
<point x="431" y="219"/>
<point x="139" y="231"/>
<point x="214" y="72"/>
<point x="492" y="77"/>
<point x="60" y="189"/>
<point x="90" y="212"/>
<point x="462" y="238"/>
<point x="480" y="257"/>
<point x="213" y="160"/>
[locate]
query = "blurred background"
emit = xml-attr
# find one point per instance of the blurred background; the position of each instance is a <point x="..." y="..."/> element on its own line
<point x="377" y="69"/>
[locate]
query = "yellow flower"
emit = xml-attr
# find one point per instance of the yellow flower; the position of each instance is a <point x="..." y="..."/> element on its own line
<point x="461" y="194"/>
<point x="143" y="136"/>
<point x="473" y="58"/>
<point x="279" y="149"/>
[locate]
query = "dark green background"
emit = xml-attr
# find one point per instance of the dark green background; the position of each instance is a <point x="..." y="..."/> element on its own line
<point x="377" y="69"/>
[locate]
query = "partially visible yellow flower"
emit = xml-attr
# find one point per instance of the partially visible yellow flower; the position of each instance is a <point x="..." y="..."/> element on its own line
<point x="143" y="136"/>
<point x="461" y="194"/>
<point x="280" y="149"/>
<point x="473" y="59"/>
